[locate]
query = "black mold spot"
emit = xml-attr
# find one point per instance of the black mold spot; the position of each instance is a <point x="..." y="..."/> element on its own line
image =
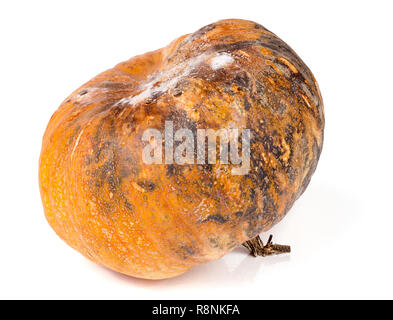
<point x="154" y="96"/>
<point x="215" y="243"/>
<point x="259" y="27"/>
<point x="185" y="251"/>
<point x="147" y="185"/>
<point x="217" y="218"/>
<point x="127" y="204"/>
<point x="238" y="214"/>
<point x="228" y="47"/>
<point x="289" y="131"/>
<point x="174" y="170"/>
<point x="242" y="80"/>
<point x="206" y="167"/>
<point x="253" y="195"/>
<point x="250" y="211"/>
<point x="247" y="104"/>
<point x="177" y="92"/>
<point x="181" y="121"/>
<point x="292" y="174"/>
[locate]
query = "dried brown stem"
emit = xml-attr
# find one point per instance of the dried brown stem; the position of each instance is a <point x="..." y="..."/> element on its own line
<point x="256" y="247"/>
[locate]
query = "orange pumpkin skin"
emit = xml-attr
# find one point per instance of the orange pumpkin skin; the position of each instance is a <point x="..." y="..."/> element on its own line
<point x="157" y="221"/>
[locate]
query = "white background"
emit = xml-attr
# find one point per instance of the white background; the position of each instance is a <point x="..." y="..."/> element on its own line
<point x="340" y="230"/>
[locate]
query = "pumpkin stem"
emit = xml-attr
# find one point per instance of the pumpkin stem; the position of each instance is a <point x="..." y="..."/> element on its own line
<point x="256" y="247"/>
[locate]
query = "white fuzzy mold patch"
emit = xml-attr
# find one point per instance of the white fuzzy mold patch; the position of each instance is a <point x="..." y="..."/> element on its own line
<point x="221" y="60"/>
<point x="163" y="81"/>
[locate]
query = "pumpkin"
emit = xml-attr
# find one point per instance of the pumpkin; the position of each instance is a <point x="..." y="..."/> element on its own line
<point x="158" y="220"/>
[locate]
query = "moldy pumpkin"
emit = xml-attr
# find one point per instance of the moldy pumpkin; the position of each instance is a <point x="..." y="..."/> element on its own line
<point x="157" y="221"/>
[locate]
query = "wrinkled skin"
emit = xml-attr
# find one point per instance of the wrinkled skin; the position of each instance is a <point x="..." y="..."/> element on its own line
<point x="157" y="221"/>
